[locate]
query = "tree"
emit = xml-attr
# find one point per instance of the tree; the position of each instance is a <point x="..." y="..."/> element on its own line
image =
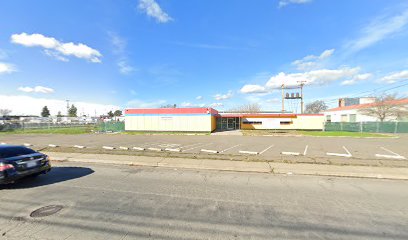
<point x="247" y="108"/>
<point x="385" y="106"/>
<point x="117" y="113"/>
<point x="316" y="107"/>
<point x="59" y="114"/>
<point x="169" y="106"/>
<point x="110" y="114"/>
<point x="72" y="111"/>
<point x="5" y="112"/>
<point x="45" y="112"/>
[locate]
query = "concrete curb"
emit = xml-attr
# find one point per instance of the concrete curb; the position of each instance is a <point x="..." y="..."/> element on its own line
<point x="238" y="166"/>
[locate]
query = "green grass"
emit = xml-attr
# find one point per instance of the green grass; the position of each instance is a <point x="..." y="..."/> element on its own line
<point x="71" y="130"/>
<point x="342" y="134"/>
<point x="164" y="133"/>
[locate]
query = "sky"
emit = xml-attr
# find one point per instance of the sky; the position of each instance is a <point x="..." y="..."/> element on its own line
<point x="117" y="54"/>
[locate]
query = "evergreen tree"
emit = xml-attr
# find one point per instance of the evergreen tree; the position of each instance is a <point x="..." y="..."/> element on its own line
<point x="45" y="112"/>
<point x="72" y="112"/>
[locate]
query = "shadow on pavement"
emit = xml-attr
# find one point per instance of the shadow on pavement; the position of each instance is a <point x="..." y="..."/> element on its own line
<point x="56" y="175"/>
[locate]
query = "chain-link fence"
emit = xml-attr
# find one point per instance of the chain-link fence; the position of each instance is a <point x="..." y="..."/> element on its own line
<point x="374" y="127"/>
<point x="111" y="126"/>
<point x="45" y="123"/>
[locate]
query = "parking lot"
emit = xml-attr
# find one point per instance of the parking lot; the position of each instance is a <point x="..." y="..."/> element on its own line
<point x="328" y="150"/>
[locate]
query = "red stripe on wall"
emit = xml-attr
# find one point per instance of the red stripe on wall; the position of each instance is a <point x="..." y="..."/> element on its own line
<point x="171" y="111"/>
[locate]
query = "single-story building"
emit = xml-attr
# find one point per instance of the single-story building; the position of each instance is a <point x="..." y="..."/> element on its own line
<point x="354" y="113"/>
<point x="209" y="119"/>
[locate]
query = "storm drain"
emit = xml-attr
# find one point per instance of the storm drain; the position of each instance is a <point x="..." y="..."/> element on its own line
<point x="46" y="211"/>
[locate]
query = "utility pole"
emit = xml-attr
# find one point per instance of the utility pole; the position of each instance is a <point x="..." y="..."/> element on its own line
<point x="67" y="107"/>
<point x="283" y="98"/>
<point x="302" y="83"/>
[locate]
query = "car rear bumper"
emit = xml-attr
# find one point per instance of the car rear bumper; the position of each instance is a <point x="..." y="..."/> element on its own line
<point x="9" y="178"/>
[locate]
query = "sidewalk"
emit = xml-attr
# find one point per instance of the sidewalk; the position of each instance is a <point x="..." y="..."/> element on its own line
<point x="239" y="166"/>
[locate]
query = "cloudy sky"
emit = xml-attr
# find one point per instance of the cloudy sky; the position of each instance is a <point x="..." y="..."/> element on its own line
<point x="103" y="55"/>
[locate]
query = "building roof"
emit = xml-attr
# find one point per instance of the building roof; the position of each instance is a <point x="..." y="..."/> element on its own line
<point x="369" y="105"/>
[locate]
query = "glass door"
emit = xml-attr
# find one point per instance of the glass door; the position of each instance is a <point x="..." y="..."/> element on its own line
<point x="231" y="123"/>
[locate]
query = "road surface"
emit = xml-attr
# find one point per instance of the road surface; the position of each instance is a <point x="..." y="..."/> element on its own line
<point x="123" y="202"/>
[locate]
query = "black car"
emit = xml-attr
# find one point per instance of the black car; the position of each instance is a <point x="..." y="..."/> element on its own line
<point x="18" y="161"/>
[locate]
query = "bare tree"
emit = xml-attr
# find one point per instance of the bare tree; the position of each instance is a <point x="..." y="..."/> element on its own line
<point x="247" y="108"/>
<point x="5" y="112"/>
<point x="386" y="106"/>
<point x="316" y="107"/>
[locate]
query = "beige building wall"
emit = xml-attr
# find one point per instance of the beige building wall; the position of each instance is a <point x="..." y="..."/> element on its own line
<point x="164" y="123"/>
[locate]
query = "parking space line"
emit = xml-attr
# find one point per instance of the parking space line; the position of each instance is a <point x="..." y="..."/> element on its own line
<point x="197" y="147"/>
<point x="191" y="145"/>
<point x="266" y="149"/>
<point x="305" y="152"/>
<point x="395" y="155"/>
<point x="341" y="154"/>
<point x="230" y="148"/>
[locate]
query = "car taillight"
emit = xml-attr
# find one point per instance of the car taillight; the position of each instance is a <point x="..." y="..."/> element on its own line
<point x="4" y="167"/>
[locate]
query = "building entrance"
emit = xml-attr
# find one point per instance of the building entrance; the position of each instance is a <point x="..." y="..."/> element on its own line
<point x="228" y="123"/>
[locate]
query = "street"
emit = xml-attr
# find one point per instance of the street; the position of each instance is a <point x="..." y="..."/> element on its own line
<point x="124" y="202"/>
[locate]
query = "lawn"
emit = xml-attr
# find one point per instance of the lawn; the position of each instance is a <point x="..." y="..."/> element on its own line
<point x="65" y="130"/>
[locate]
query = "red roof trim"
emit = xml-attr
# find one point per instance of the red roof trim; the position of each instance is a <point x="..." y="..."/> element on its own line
<point x="171" y="111"/>
<point x="368" y="105"/>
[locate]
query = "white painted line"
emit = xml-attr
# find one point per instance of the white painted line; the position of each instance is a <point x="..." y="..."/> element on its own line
<point x="395" y="155"/>
<point x="139" y="148"/>
<point x="173" y="149"/>
<point x="291" y="153"/>
<point x="197" y="147"/>
<point x="389" y="156"/>
<point x="124" y="148"/>
<point x="52" y="145"/>
<point x="249" y="152"/>
<point x="108" y="147"/>
<point x="305" y="152"/>
<point x="27" y="144"/>
<point x="155" y="149"/>
<point x="230" y="148"/>
<point x="79" y="146"/>
<point x="209" y="151"/>
<point x="341" y="154"/>
<point x="266" y="149"/>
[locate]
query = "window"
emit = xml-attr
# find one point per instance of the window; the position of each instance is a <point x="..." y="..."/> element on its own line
<point x="344" y="117"/>
<point x="7" y="152"/>
<point x="353" y="117"/>
<point x="286" y="122"/>
<point x="252" y="122"/>
<point x="328" y="118"/>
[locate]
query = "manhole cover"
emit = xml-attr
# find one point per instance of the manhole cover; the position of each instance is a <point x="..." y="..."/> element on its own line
<point x="46" y="211"/>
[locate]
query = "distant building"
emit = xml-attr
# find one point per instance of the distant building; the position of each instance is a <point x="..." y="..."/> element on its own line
<point x="352" y="113"/>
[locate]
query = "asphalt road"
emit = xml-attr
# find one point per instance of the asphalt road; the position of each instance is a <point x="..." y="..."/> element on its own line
<point x="113" y="202"/>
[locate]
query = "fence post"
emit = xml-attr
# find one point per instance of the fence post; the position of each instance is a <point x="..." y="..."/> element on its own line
<point x="378" y="127"/>
<point x="361" y="127"/>
<point x="396" y="127"/>
<point x="341" y="126"/>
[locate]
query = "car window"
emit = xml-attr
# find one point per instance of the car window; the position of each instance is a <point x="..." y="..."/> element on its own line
<point x="14" y="151"/>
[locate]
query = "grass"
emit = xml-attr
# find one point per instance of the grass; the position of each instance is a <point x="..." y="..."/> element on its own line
<point x="68" y="130"/>
<point x="343" y="134"/>
<point x="165" y="133"/>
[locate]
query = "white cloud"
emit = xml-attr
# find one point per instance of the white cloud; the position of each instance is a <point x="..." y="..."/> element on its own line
<point x="124" y="68"/>
<point x="378" y="30"/>
<point x="311" y="61"/>
<point x="226" y="96"/>
<point x="152" y="9"/>
<point x="252" y="88"/>
<point x="33" y="106"/>
<point x="395" y="77"/>
<point x="199" y="97"/>
<point x="186" y="104"/>
<point x="55" y="48"/>
<point x="217" y="104"/>
<point x="137" y="103"/>
<point x="55" y="55"/>
<point x="357" y="78"/>
<point x="283" y="3"/>
<point x="7" y="68"/>
<point x="315" y="77"/>
<point x="37" y="89"/>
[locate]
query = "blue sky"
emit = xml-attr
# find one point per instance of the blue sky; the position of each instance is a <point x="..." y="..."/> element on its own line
<point x="147" y="53"/>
